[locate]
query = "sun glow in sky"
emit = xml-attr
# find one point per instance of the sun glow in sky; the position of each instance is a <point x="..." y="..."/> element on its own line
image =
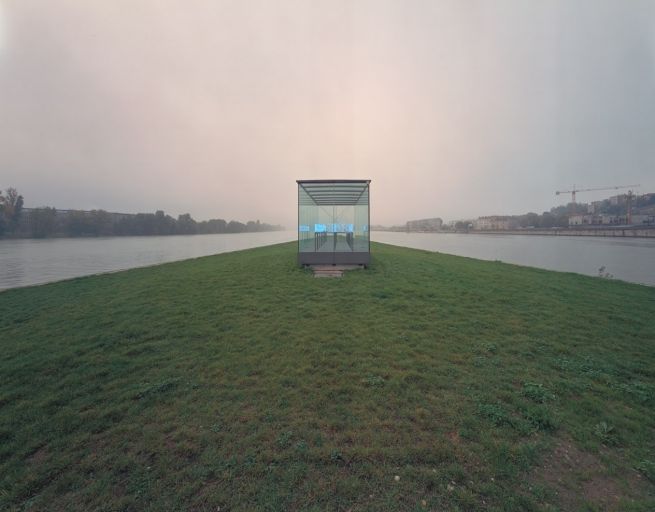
<point x="452" y="109"/>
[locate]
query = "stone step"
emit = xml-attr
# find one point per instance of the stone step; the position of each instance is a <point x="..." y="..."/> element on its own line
<point x="332" y="270"/>
<point x="328" y="274"/>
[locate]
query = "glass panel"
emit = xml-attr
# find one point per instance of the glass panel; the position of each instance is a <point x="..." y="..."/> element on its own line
<point x="333" y="217"/>
<point x="362" y="234"/>
<point x="306" y="221"/>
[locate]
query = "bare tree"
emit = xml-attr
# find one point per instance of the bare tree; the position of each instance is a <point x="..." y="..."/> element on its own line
<point x="11" y="207"/>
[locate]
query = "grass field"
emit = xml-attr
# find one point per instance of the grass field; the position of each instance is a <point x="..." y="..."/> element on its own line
<point x="427" y="382"/>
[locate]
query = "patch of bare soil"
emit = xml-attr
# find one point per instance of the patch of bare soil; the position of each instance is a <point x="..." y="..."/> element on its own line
<point x="39" y="456"/>
<point x="454" y="437"/>
<point x="578" y="477"/>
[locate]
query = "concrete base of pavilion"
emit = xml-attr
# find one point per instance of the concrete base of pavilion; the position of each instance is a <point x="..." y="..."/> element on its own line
<point x="334" y="258"/>
<point x="332" y="270"/>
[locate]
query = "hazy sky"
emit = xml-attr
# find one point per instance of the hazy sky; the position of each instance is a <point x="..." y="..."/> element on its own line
<point x="452" y="108"/>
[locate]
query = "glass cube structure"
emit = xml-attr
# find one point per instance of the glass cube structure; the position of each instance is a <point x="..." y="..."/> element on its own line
<point x="333" y="222"/>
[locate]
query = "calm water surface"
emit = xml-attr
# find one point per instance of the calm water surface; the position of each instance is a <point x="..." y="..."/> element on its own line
<point x="27" y="262"/>
<point x="628" y="259"/>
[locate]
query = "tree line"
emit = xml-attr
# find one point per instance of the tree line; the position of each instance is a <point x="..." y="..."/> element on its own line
<point x="557" y="217"/>
<point x="17" y="221"/>
<point x="11" y="210"/>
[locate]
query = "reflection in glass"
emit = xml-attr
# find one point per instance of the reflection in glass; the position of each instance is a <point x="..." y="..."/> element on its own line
<point x="333" y="220"/>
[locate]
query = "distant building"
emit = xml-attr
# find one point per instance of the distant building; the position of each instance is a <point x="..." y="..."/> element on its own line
<point x="613" y="220"/>
<point x="424" y="224"/>
<point x="594" y="207"/>
<point x="606" y="220"/>
<point x="580" y="220"/>
<point x="495" y="223"/>
<point x="640" y="220"/>
<point x="620" y="199"/>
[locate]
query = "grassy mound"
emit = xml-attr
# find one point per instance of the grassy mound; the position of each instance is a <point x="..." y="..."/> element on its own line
<point x="427" y="382"/>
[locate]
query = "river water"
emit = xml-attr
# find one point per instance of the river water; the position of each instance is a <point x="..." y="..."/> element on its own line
<point x="628" y="259"/>
<point x="28" y="262"/>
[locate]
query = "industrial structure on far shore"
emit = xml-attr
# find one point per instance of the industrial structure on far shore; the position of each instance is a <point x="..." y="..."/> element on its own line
<point x="424" y="224"/>
<point x="623" y="210"/>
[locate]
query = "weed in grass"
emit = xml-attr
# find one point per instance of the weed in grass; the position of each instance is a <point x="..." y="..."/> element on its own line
<point x="284" y="439"/>
<point x="469" y="430"/>
<point x="269" y="417"/>
<point x="491" y="348"/>
<point x="479" y="361"/>
<point x="374" y="381"/>
<point x="602" y="272"/>
<point x="587" y="366"/>
<point x="606" y="433"/>
<point x="495" y="413"/>
<point x="302" y="447"/>
<point x="541" y="418"/>
<point x="536" y="392"/>
<point x="640" y="391"/>
<point x="503" y="462"/>
<point x="647" y="467"/>
<point x="283" y="403"/>
<point x="540" y="492"/>
<point x="336" y="456"/>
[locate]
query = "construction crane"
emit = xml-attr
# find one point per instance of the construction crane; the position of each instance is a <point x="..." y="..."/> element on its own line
<point x="575" y="190"/>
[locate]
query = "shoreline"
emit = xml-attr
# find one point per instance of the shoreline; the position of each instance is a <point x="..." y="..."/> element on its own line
<point x="611" y="232"/>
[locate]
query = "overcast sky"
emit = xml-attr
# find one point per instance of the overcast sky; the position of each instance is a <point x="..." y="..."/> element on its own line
<point x="452" y="108"/>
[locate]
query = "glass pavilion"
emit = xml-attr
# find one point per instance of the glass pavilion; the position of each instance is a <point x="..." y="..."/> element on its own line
<point x="333" y="222"/>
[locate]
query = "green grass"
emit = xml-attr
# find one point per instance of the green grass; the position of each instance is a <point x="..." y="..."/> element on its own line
<point x="239" y="381"/>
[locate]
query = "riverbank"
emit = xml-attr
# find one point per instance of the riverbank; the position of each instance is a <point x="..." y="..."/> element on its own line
<point x="90" y="236"/>
<point x="604" y="231"/>
<point x="29" y="262"/>
<point x="627" y="259"/>
<point x="611" y="231"/>
<point x="239" y="381"/>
